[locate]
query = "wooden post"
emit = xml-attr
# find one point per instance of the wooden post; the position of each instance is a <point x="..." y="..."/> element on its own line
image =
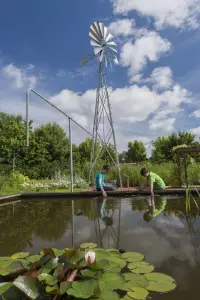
<point x="179" y="169"/>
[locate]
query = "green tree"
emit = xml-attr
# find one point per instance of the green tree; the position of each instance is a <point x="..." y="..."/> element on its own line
<point x="136" y="152"/>
<point x="163" y="146"/>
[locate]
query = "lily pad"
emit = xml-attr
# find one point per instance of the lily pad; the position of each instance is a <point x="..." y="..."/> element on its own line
<point x="53" y="290"/>
<point x="161" y="286"/>
<point x="160" y="282"/>
<point x="83" y="290"/>
<point x="57" y="252"/>
<point x="28" y="285"/>
<point x="4" y="286"/>
<point x="58" y="270"/>
<point x="52" y="264"/>
<point x="158" y="277"/>
<point x="109" y="295"/>
<point x="136" y="280"/>
<point x="88" y="246"/>
<point x="88" y="273"/>
<point x="77" y="257"/>
<point x="133" y="256"/>
<point x="20" y="255"/>
<point x="119" y="261"/>
<point x="138" y="293"/>
<point x="47" y="279"/>
<point x="4" y="258"/>
<point x="64" y="286"/>
<point x="111" y="281"/>
<point x="33" y="258"/>
<point x="141" y="267"/>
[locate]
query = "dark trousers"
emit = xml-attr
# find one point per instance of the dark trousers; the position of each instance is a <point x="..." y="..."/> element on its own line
<point x="107" y="188"/>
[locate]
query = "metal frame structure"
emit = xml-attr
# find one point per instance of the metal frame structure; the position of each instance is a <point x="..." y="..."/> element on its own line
<point x="70" y="130"/>
<point x="102" y="113"/>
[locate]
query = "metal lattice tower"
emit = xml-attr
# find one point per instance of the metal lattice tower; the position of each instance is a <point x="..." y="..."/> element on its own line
<point x="103" y="129"/>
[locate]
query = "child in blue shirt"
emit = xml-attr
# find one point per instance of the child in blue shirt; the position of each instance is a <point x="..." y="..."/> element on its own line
<point x="100" y="184"/>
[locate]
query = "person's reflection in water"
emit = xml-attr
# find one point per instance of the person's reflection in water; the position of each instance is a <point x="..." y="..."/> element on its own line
<point x="155" y="208"/>
<point x="101" y="209"/>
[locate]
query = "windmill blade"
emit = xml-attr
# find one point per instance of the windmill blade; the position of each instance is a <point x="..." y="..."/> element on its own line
<point x="116" y="61"/>
<point x="93" y="28"/>
<point x="106" y="32"/>
<point x="93" y="35"/>
<point x="96" y="29"/>
<point x="112" y="44"/>
<point x="109" y="38"/>
<point x="101" y="25"/>
<point x="101" y="56"/>
<point x="97" y="50"/>
<point x="99" y="30"/>
<point x="95" y="44"/>
<point x="113" y="49"/>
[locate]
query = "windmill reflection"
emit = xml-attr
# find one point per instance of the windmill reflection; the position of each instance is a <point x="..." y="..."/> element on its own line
<point x="107" y="226"/>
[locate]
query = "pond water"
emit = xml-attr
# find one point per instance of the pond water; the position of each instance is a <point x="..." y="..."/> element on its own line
<point x="167" y="237"/>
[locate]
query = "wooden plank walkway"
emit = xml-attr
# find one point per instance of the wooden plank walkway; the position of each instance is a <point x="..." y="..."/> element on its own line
<point x="125" y="192"/>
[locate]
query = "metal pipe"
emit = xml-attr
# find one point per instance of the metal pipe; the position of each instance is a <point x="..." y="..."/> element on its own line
<point x="71" y="157"/>
<point x="72" y="223"/>
<point x="62" y="112"/>
<point x="27" y="118"/>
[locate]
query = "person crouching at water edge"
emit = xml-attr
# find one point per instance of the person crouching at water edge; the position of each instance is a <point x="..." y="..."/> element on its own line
<point x="153" y="180"/>
<point x="100" y="180"/>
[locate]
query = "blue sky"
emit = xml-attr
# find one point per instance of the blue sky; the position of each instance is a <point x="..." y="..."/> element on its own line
<point x="154" y="89"/>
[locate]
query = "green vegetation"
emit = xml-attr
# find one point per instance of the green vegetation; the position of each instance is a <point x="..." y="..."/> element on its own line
<point x="45" y="164"/>
<point x="80" y="273"/>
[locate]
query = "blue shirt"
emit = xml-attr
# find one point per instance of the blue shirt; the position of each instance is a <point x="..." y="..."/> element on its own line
<point x="99" y="207"/>
<point x="99" y="175"/>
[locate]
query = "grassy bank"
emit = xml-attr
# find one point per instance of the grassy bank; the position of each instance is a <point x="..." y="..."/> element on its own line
<point x="16" y="183"/>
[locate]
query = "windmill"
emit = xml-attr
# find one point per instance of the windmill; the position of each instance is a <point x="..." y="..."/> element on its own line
<point x="103" y="129"/>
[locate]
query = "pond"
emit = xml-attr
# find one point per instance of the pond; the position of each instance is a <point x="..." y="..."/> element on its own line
<point x="167" y="237"/>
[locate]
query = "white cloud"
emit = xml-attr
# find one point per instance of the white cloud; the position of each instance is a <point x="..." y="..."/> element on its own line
<point x="148" y="47"/>
<point x="19" y="77"/>
<point x="166" y="125"/>
<point x="196" y="114"/>
<point x="123" y="27"/>
<point x="161" y="78"/>
<point x="176" y="13"/>
<point x="196" y="131"/>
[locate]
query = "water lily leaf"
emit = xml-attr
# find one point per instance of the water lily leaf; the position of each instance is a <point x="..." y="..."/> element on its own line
<point x="77" y="257"/>
<point x="47" y="279"/>
<point x="64" y="286"/>
<point x="83" y="289"/>
<point x="109" y="295"/>
<point x="89" y="273"/>
<point x="3" y="258"/>
<point x="14" y="293"/>
<point x="20" y="255"/>
<point x="58" y="270"/>
<point x="133" y="256"/>
<point x="10" y="267"/>
<point x="4" y="286"/>
<point x="104" y="264"/>
<point x="161" y="287"/>
<point x="116" y="260"/>
<point x="160" y="282"/>
<point x="138" y="293"/>
<point x="52" y="264"/>
<point x="53" y="290"/>
<point x="57" y="252"/>
<point x="88" y="246"/>
<point x="111" y="281"/>
<point x="28" y="285"/>
<point x="141" y="267"/>
<point x="158" y="277"/>
<point x="33" y="258"/>
<point x="136" y="280"/>
<point x="114" y="252"/>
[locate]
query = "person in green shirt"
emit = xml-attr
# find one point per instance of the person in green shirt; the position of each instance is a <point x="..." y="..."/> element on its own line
<point x="153" y="180"/>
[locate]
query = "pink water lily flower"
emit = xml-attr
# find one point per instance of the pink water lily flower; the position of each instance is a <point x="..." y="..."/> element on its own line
<point x="90" y="257"/>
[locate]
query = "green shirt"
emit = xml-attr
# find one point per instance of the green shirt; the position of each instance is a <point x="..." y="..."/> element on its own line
<point x="161" y="206"/>
<point x="157" y="180"/>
